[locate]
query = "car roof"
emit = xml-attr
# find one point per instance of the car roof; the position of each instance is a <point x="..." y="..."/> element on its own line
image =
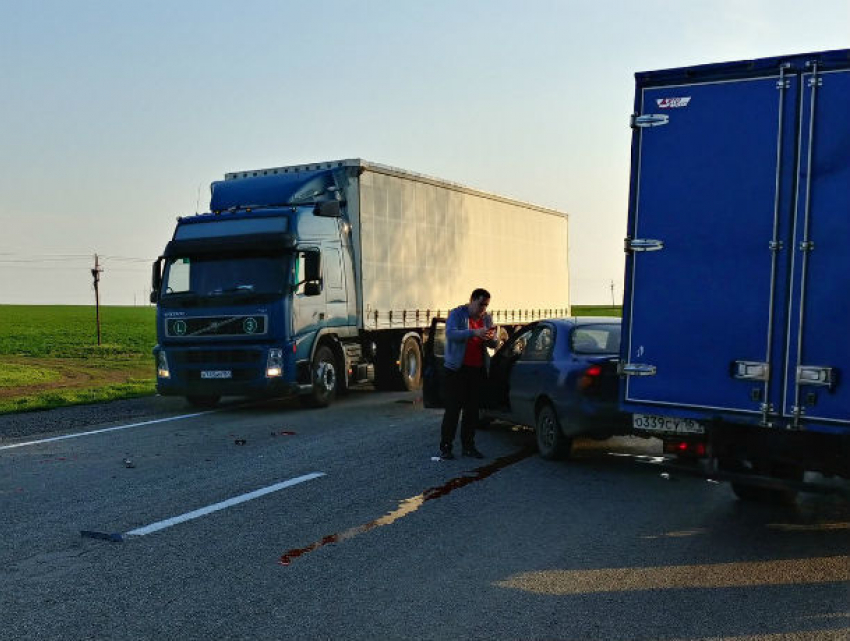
<point x="585" y="320"/>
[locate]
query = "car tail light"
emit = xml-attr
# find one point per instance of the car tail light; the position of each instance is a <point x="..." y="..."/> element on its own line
<point x="685" y="448"/>
<point x="590" y="377"/>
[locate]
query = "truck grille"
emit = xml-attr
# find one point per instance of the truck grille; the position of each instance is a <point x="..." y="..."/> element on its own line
<point x="242" y="325"/>
<point x="217" y="356"/>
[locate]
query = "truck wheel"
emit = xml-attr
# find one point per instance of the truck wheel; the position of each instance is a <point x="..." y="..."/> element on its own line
<point x="203" y="401"/>
<point x="551" y="441"/>
<point x="323" y="373"/>
<point x="776" y="496"/>
<point x="411" y="364"/>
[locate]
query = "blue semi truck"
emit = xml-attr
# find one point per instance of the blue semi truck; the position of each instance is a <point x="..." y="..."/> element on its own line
<point x="736" y="348"/>
<point x="309" y="279"/>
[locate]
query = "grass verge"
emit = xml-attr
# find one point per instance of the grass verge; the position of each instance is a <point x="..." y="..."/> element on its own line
<point x="49" y="356"/>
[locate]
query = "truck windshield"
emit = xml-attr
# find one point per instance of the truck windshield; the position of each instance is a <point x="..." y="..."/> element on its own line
<point x="212" y="278"/>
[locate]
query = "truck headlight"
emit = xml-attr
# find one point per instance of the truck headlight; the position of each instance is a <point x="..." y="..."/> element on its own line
<point x="162" y="365"/>
<point x="274" y="365"/>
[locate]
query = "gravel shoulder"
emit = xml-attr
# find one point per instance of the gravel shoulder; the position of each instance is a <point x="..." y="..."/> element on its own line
<point x="63" y="420"/>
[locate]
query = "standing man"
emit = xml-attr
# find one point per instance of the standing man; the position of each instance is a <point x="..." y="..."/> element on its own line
<point x="469" y="329"/>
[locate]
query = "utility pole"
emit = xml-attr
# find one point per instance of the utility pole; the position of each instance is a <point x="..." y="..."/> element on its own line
<point x="95" y="274"/>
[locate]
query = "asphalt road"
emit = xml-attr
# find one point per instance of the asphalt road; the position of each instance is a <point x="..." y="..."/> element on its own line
<point x="269" y="521"/>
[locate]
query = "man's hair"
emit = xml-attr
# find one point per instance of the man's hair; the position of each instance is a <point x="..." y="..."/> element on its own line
<point x="479" y="293"/>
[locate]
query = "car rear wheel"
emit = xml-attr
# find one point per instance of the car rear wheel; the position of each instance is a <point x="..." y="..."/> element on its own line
<point x="551" y="441"/>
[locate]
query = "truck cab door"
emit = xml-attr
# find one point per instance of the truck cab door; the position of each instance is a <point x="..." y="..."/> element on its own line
<point x="433" y="371"/>
<point x="308" y="303"/>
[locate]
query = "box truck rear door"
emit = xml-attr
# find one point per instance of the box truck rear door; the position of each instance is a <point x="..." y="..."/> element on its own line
<point x="819" y="342"/>
<point x="706" y="198"/>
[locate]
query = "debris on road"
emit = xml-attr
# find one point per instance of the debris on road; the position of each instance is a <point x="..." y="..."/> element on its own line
<point x="115" y="537"/>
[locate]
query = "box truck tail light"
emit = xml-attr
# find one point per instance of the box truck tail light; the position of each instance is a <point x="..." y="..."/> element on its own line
<point x="685" y="448"/>
<point x="274" y="365"/>
<point x="162" y="365"/>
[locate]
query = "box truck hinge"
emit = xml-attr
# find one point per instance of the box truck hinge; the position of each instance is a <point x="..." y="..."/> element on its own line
<point x="642" y="245"/>
<point x="750" y="370"/>
<point x="812" y="375"/>
<point x="635" y="369"/>
<point x="649" y="120"/>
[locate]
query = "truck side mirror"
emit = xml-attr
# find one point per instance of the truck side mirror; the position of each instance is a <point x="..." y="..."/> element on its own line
<point x="329" y="209"/>
<point x="156" y="279"/>
<point x="313" y="288"/>
<point x="312" y="266"/>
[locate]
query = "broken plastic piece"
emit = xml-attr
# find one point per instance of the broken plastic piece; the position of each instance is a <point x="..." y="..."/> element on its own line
<point x="115" y="537"/>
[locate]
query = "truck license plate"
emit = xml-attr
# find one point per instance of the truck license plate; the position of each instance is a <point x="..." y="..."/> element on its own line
<point x="216" y="373"/>
<point x="666" y="424"/>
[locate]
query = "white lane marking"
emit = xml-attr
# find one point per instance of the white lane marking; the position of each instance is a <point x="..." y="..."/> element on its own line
<point x="106" y="429"/>
<point x="236" y="500"/>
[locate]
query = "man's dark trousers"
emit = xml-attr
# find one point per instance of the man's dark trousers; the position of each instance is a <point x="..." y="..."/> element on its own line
<point x="462" y="392"/>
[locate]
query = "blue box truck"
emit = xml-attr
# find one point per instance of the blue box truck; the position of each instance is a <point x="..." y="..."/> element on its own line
<point x="308" y="279"/>
<point x="736" y="315"/>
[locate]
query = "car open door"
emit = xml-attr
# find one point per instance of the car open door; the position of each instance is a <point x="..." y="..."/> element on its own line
<point x="433" y="373"/>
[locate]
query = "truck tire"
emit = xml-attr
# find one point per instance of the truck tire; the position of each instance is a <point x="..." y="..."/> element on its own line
<point x="411" y="364"/>
<point x="323" y="375"/>
<point x="775" y="496"/>
<point x="551" y="442"/>
<point x="203" y="401"/>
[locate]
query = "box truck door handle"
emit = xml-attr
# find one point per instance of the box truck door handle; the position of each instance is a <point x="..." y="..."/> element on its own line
<point x="636" y="369"/>
<point x="751" y="370"/>
<point x="643" y="245"/>
<point x="811" y="375"/>
<point x="649" y="120"/>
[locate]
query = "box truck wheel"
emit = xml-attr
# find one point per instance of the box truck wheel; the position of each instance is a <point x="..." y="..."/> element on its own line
<point x="323" y="373"/>
<point x="203" y="401"/>
<point x="776" y="496"/>
<point x="551" y="441"/>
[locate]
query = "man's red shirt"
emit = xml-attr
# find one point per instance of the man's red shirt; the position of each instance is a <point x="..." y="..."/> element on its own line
<point x="474" y="356"/>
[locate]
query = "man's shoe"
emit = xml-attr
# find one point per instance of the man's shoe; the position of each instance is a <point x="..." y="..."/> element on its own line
<point x="446" y="455"/>
<point x="472" y="452"/>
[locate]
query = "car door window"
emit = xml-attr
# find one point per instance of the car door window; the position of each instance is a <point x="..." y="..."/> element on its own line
<point x="539" y="345"/>
<point x="517" y="346"/>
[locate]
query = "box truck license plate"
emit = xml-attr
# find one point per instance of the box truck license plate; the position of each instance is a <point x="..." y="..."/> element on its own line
<point x="216" y="373"/>
<point x="666" y="424"/>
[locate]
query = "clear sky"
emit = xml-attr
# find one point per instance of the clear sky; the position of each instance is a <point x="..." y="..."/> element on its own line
<point x="115" y="116"/>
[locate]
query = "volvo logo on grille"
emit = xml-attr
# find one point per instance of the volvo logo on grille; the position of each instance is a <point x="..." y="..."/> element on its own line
<point x="249" y="325"/>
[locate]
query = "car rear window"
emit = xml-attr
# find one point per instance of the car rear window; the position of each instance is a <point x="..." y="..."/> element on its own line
<point x="596" y="339"/>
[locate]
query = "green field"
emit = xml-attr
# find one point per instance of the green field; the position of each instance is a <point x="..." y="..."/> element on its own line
<point x="49" y="356"/>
